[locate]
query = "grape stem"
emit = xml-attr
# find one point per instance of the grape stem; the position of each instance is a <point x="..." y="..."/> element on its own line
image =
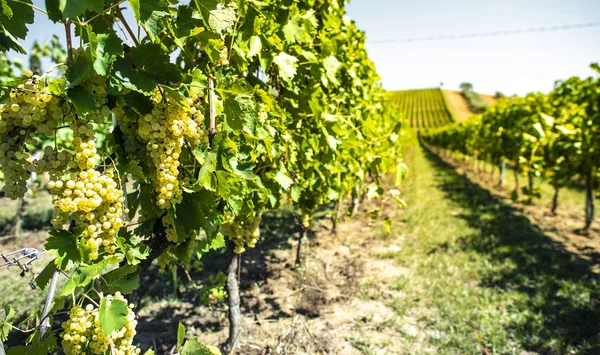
<point x="122" y="19"/>
<point x="100" y="14"/>
<point x="112" y="347"/>
<point x="212" y="106"/>
<point x="91" y="299"/>
<point x="32" y="6"/>
<point x="99" y="287"/>
<point x="69" y="42"/>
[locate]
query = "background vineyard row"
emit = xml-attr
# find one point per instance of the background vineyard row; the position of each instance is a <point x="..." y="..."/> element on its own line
<point x="423" y="108"/>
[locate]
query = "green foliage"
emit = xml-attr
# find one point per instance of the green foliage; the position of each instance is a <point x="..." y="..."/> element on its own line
<point x="466" y="86"/>
<point x="555" y="136"/>
<point x="476" y="102"/>
<point x="112" y="315"/>
<point x="214" y="290"/>
<point x="299" y="115"/>
<point x="14" y="18"/>
<point x="193" y="347"/>
<point x="6" y="323"/>
<point x="63" y="245"/>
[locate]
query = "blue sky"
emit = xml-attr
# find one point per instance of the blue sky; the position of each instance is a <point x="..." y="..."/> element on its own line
<point x="514" y="64"/>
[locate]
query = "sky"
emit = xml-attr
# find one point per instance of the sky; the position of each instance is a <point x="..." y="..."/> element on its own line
<point x="514" y="64"/>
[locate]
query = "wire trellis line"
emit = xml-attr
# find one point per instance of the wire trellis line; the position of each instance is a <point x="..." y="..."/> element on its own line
<point x="487" y="34"/>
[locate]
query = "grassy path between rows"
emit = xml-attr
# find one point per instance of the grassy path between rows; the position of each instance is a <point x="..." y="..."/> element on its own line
<point x="481" y="278"/>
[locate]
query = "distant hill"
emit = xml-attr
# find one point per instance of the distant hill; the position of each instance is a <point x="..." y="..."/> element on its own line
<point x="423" y="108"/>
<point x="429" y="108"/>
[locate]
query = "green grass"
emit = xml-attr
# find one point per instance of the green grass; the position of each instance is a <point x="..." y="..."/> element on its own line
<point x="571" y="198"/>
<point x="484" y="278"/>
<point x="37" y="216"/>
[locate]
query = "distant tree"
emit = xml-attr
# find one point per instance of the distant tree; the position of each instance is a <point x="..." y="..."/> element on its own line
<point x="499" y="95"/>
<point x="466" y="86"/>
<point x="441" y="83"/>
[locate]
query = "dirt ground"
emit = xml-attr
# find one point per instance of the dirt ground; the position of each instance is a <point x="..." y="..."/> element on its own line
<point x="457" y="105"/>
<point x="489" y="99"/>
<point x="329" y="306"/>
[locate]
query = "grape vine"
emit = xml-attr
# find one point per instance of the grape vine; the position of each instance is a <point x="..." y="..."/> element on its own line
<point x="554" y="136"/>
<point x="220" y="112"/>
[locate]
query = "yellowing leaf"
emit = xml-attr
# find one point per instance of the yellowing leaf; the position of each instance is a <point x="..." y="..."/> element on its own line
<point x="287" y="65"/>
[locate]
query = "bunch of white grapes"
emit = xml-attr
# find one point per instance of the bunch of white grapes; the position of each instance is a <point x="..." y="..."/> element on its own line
<point x="92" y="199"/>
<point x="165" y="131"/>
<point x="242" y="231"/>
<point x="31" y="111"/>
<point x="97" y="86"/>
<point x="129" y="127"/>
<point x="83" y="335"/>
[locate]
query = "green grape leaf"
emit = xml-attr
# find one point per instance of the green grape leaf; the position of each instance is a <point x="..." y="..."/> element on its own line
<point x="374" y="190"/>
<point x="198" y="82"/>
<point x="217" y="242"/>
<point x="387" y="223"/>
<point x="150" y="352"/>
<point x="223" y="186"/>
<point x="283" y="179"/>
<point x="145" y="67"/>
<point x="52" y="7"/>
<point x="80" y="71"/>
<point x="150" y="13"/>
<point x="255" y="46"/>
<point x="332" y="142"/>
<point x="188" y="22"/>
<point x="132" y="167"/>
<point x="206" y="178"/>
<point x="82" y="99"/>
<point x="114" y="316"/>
<point x="6" y="10"/>
<point x="396" y="196"/>
<point x="8" y="42"/>
<point x="45" y="347"/>
<point x="58" y="86"/>
<point x="135" y="7"/>
<point x="218" y="15"/>
<point x="5" y="324"/>
<point x="245" y="170"/>
<point x="193" y="347"/>
<point x="180" y="335"/>
<point x="125" y="279"/>
<point x="44" y="277"/>
<point x="133" y="253"/>
<point x="138" y="103"/>
<point x="108" y="48"/>
<point x="84" y="274"/>
<point x="400" y="173"/>
<point x="548" y="120"/>
<point x="287" y="66"/>
<point x="331" y="65"/>
<point x="63" y="245"/>
<point x="16" y="26"/>
<point x="298" y="28"/>
<point x="196" y="211"/>
<point x="147" y="203"/>
<point x="240" y="111"/>
<point x="296" y="192"/>
<point x="74" y="8"/>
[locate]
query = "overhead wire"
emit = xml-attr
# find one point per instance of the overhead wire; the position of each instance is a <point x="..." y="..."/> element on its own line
<point x="487" y="34"/>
